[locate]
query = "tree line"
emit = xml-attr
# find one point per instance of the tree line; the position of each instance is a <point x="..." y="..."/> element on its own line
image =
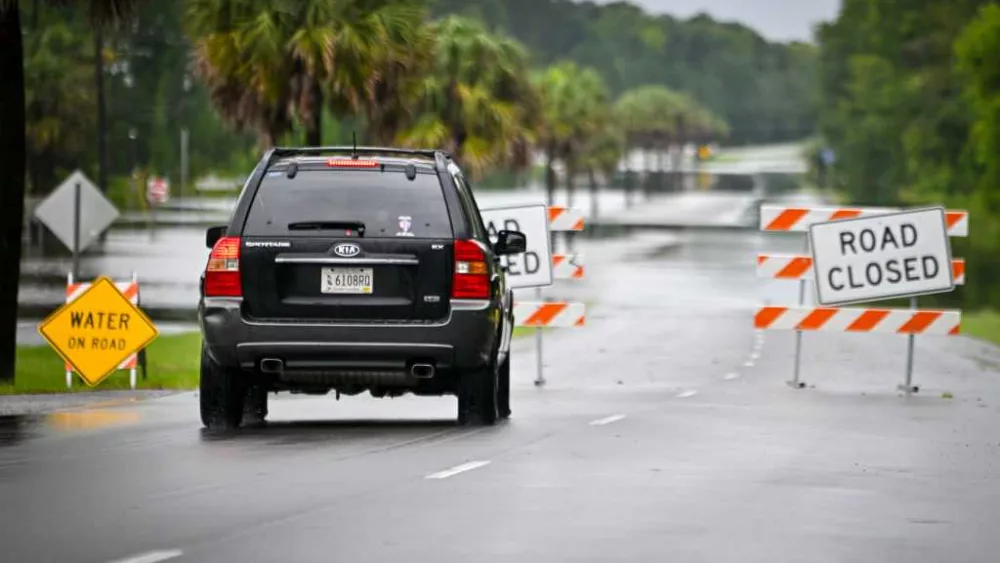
<point x="910" y="103"/>
<point x="153" y="89"/>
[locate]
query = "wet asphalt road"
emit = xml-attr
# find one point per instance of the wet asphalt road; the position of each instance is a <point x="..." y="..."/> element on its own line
<point x="665" y="432"/>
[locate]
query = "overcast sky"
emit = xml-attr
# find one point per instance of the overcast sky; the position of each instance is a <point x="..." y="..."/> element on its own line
<point x="779" y="20"/>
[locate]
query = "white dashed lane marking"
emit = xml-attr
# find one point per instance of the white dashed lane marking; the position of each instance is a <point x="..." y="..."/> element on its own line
<point x="686" y="394"/>
<point x="607" y="420"/>
<point x="731" y="376"/>
<point x="151" y="557"/>
<point x="458" y="469"/>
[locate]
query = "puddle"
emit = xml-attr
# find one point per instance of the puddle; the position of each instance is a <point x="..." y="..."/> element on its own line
<point x="90" y="419"/>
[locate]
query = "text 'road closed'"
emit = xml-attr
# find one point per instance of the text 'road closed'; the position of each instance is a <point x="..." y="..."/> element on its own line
<point x="881" y="257"/>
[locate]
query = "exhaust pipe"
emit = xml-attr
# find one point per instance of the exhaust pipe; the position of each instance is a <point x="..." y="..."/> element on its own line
<point x="422" y="371"/>
<point x="272" y="365"/>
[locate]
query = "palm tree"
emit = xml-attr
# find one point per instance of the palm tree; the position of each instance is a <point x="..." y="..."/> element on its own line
<point x="12" y="160"/>
<point x="477" y="101"/>
<point x="240" y="54"/>
<point x="656" y="118"/>
<point x="575" y="107"/>
<point x="268" y="64"/>
<point x="378" y="66"/>
<point x="602" y="153"/>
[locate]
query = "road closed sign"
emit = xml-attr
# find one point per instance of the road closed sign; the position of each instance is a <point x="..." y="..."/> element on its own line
<point x="98" y="331"/>
<point x="533" y="268"/>
<point x="878" y="257"/>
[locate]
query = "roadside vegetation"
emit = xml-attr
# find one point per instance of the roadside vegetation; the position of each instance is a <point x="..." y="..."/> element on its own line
<point x="910" y="102"/>
<point x="172" y="360"/>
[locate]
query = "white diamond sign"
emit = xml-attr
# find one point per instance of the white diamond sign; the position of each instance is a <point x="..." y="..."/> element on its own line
<point x="96" y="212"/>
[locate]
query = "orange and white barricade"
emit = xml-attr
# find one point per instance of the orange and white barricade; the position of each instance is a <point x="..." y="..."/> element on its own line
<point x="802" y="318"/>
<point x="799" y="219"/>
<point x="567" y="266"/>
<point x="549" y="314"/>
<point x="565" y="219"/>
<point x="131" y="290"/>
<point x="836" y="319"/>
<point x="542" y="314"/>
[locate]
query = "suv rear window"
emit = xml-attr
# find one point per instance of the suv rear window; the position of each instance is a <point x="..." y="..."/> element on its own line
<point x="387" y="203"/>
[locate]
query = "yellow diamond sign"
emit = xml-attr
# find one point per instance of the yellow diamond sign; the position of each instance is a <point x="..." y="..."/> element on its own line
<point x="98" y="331"/>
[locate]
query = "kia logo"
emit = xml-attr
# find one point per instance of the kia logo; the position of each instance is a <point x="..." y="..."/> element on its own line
<point x="347" y="250"/>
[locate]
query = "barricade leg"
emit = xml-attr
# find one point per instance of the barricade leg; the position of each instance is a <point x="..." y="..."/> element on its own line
<point x="539" y="364"/>
<point x="796" y="382"/>
<point x="908" y="387"/>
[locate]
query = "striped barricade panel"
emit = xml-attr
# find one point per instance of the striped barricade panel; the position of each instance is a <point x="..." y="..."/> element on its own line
<point x="541" y="314"/>
<point x="565" y="219"/>
<point x="833" y="319"/>
<point x="796" y="267"/>
<point x="130" y="289"/>
<point x="567" y="266"/>
<point x="799" y="219"/>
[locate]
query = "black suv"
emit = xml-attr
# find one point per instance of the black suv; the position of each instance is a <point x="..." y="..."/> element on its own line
<point x="352" y="270"/>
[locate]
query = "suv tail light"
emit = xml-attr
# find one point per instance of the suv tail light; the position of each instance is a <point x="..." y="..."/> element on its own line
<point x="471" y="279"/>
<point x="222" y="276"/>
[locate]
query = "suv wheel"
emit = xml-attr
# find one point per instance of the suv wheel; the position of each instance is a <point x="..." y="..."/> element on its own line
<point x="503" y="389"/>
<point x="222" y="395"/>
<point x="477" y="396"/>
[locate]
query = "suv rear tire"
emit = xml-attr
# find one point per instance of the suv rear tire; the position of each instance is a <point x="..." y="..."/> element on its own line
<point x="477" y="396"/>
<point x="222" y="395"/>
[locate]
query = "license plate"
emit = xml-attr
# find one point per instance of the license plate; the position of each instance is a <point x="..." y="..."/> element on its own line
<point x="347" y="280"/>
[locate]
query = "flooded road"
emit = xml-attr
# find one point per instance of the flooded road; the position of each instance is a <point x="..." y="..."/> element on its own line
<point x="664" y="421"/>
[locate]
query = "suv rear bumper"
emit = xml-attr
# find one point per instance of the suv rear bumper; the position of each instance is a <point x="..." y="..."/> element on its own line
<point x="464" y="340"/>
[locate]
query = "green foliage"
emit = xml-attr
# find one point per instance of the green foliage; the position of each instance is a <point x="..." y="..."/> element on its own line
<point x="172" y="360"/>
<point x="911" y="103"/>
<point x="476" y="101"/>
<point x="765" y="91"/>
<point x="60" y="104"/>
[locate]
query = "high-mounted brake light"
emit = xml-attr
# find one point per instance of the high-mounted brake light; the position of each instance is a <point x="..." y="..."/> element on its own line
<point x="471" y="279"/>
<point x="351" y="163"/>
<point x="222" y="275"/>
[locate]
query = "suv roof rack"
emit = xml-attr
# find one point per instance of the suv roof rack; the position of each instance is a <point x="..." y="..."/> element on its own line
<point x="440" y="157"/>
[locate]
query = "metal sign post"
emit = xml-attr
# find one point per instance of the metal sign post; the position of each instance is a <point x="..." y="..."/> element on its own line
<point x="76" y="230"/>
<point x="539" y="360"/>
<point x="77" y="213"/>
<point x="907" y="385"/>
<point x="796" y="382"/>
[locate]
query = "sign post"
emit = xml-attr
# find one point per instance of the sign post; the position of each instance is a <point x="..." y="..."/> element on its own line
<point x="96" y="332"/>
<point x="77" y="213"/>
<point x="76" y="229"/>
<point x="902" y="254"/>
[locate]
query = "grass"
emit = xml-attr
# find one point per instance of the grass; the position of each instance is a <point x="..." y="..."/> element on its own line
<point x="173" y="362"/>
<point x="984" y="325"/>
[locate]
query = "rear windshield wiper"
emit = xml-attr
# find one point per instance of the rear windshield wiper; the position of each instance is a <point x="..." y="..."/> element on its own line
<point x="327" y="226"/>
